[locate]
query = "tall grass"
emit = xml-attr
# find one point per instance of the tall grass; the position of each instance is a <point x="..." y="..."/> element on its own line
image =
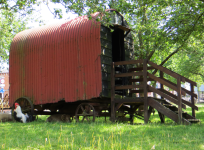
<point x="103" y="135"/>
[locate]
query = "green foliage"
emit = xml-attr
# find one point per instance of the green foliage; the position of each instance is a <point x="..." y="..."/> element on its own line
<point x="167" y="32"/>
<point x="13" y="17"/>
<point x="164" y="31"/>
<point x="8" y="30"/>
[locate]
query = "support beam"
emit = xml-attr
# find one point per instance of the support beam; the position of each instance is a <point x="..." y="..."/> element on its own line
<point x="145" y="91"/>
<point x="192" y="100"/>
<point x="179" y="100"/>
<point x="112" y="92"/>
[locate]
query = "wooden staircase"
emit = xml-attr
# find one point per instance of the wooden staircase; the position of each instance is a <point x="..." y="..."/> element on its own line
<point x="169" y="105"/>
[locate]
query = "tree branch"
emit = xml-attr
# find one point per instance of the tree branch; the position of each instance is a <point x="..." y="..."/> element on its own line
<point x="188" y="35"/>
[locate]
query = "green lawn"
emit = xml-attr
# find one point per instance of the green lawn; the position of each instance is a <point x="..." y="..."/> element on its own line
<point x="103" y="135"/>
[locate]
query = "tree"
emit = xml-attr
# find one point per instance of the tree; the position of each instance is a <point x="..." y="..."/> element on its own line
<point x="167" y="32"/>
<point x="164" y="30"/>
<point x="8" y="29"/>
<point x="13" y="16"/>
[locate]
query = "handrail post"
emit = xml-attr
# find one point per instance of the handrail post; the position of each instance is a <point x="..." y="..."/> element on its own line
<point x="145" y="91"/>
<point x="192" y="100"/>
<point x="179" y="100"/>
<point x="112" y="92"/>
<point x="161" y="73"/>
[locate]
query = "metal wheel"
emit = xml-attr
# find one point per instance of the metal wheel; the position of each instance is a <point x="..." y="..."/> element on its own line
<point x="85" y="113"/>
<point x="26" y="108"/>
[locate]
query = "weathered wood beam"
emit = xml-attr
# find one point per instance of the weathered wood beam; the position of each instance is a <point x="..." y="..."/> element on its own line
<point x="145" y="91"/>
<point x="162" y="109"/>
<point x="175" y="97"/>
<point x="139" y="80"/>
<point x="112" y="92"/>
<point x="165" y="96"/>
<point x="128" y="74"/>
<point x="179" y="100"/>
<point x="164" y="82"/>
<point x="139" y="69"/>
<point x="165" y="70"/>
<point x="128" y="62"/>
<point x="122" y="87"/>
<point x="183" y="89"/>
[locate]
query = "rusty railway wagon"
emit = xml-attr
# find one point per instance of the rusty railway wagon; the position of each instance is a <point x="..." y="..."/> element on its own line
<point x="81" y="68"/>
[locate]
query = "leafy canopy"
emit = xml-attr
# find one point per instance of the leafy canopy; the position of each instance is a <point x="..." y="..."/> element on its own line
<point x="167" y="32"/>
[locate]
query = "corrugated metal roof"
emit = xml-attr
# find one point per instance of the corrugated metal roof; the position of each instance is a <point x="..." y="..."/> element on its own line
<point x="60" y="61"/>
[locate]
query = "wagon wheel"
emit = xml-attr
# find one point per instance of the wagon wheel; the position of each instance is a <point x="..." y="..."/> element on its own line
<point x="85" y="113"/>
<point x="121" y="116"/>
<point x="26" y="108"/>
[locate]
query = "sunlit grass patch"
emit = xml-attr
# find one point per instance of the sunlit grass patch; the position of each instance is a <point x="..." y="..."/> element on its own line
<point x="103" y="135"/>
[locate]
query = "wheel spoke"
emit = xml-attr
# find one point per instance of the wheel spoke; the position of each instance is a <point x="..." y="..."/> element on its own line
<point x="82" y="119"/>
<point x="87" y="118"/>
<point x="87" y="113"/>
<point x="82" y="109"/>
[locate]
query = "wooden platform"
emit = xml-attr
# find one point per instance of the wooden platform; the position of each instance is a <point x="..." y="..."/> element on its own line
<point x="138" y="78"/>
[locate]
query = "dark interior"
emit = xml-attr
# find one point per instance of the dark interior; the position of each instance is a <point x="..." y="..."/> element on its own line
<point x="118" y="52"/>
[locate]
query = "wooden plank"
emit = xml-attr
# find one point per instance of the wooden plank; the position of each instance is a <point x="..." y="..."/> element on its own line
<point x="183" y="89"/>
<point x="179" y="100"/>
<point x="162" y="81"/>
<point x="162" y="109"/>
<point x="118" y="106"/>
<point x="112" y="92"/>
<point x="162" y="117"/>
<point x="145" y="91"/>
<point x="192" y="101"/>
<point x="129" y="62"/>
<point x="136" y="91"/>
<point x="140" y="79"/>
<point x="121" y="27"/>
<point x="128" y="74"/>
<point x="162" y="77"/>
<point x="130" y="100"/>
<point x="165" y="96"/>
<point x="122" y="87"/>
<point x="150" y="111"/>
<point x="139" y="69"/>
<point x="165" y="70"/>
<point x="183" y="101"/>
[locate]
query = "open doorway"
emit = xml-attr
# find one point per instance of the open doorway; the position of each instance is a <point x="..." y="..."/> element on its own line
<point x="118" y="51"/>
<point x="118" y="54"/>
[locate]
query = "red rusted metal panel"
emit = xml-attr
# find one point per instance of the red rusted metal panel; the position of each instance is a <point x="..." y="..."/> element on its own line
<point x="56" y="62"/>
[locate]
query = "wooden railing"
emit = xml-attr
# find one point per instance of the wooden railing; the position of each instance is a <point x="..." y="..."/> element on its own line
<point x="144" y="76"/>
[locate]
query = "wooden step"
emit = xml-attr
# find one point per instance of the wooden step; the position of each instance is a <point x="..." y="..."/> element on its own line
<point x="182" y="112"/>
<point x="166" y="111"/>
<point x="194" y="120"/>
<point x="169" y="105"/>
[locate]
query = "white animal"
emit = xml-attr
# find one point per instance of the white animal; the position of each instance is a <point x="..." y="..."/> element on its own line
<point x="19" y="114"/>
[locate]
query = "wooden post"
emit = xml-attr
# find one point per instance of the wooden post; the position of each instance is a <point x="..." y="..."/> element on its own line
<point x="161" y="85"/>
<point x="192" y="100"/>
<point x="162" y="117"/>
<point x="112" y="92"/>
<point x="145" y="91"/>
<point x="179" y="100"/>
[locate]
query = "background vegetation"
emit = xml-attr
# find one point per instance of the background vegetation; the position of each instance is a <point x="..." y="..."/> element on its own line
<point x="167" y="32"/>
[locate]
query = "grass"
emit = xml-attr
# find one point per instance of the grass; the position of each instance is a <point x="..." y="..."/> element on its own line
<point x="103" y="135"/>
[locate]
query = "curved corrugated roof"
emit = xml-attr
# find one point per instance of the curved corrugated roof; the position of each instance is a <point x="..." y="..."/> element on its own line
<point x="59" y="61"/>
